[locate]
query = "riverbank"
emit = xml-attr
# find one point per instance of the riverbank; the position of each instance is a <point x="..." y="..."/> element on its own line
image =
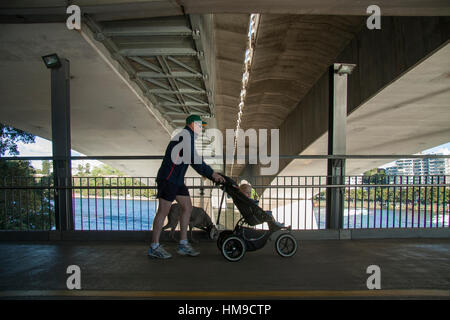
<point x="93" y="197"/>
<point x="370" y="205"/>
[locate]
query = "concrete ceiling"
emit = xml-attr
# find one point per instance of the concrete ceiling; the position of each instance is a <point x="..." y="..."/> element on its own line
<point x="91" y="61"/>
<point x="231" y="38"/>
<point x="107" y="118"/>
<point x="292" y="53"/>
<point x="101" y="85"/>
<point x="126" y="9"/>
<point x="293" y="50"/>
<point x="322" y="7"/>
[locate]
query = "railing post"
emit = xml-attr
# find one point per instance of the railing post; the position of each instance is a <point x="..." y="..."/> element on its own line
<point x="337" y="127"/>
<point x="202" y="194"/>
<point x="61" y="141"/>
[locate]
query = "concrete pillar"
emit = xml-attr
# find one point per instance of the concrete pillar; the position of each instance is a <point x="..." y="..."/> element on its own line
<point x="62" y="169"/>
<point x="337" y="130"/>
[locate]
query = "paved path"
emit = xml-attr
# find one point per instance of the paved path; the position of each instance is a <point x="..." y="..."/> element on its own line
<point x="409" y="268"/>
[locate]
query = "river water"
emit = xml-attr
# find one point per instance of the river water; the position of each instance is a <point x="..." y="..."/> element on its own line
<point x="120" y="214"/>
<point x="113" y="214"/>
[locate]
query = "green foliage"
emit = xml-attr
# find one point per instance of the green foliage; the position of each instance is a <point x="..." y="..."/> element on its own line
<point x="9" y="137"/>
<point x="27" y="208"/>
<point x="46" y="167"/>
<point x="106" y="176"/>
<point x="375" y="176"/>
<point x="22" y="209"/>
<point x="408" y="195"/>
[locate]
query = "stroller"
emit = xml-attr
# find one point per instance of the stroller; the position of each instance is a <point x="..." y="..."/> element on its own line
<point x="234" y="243"/>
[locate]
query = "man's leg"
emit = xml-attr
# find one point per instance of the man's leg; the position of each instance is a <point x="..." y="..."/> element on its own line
<point x="184" y="248"/>
<point x="186" y="210"/>
<point x="158" y="221"/>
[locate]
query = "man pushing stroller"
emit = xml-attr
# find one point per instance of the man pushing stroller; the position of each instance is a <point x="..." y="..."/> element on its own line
<point x="170" y="184"/>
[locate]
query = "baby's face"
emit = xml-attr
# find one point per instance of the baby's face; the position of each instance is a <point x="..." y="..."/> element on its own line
<point x="247" y="192"/>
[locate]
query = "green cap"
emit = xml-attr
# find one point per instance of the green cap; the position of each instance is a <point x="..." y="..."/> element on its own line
<point x="194" y="118"/>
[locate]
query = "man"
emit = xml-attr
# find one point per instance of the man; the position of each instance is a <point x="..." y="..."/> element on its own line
<point x="170" y="182"/>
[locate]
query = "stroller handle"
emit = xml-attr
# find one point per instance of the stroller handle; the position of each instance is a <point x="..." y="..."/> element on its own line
<point x="224" y="185"/>
<point x="228" y="181"/>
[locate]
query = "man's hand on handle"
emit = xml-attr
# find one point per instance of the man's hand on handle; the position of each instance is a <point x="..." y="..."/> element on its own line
<point x="218" y="178"/>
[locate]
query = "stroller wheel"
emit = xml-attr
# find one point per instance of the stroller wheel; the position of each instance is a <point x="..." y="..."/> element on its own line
<point x="286" y="245"/>
<point x="222" y="237"/>
<point x="233" y="248"/>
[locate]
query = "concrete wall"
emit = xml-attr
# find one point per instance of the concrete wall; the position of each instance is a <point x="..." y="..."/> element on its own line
<point x="384" y="55"/>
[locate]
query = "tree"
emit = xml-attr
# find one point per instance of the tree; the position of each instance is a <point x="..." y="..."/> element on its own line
<point x="106" y="176"/>
<point x="9" y="137"/>
<point x="80" y="170"/>
<point x="46" y="165"/>
<point x="374" y="176"/>
<point x="25" y="208"/>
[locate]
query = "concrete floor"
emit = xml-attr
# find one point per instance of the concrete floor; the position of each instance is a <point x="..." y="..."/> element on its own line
<point x="320" y="269"/>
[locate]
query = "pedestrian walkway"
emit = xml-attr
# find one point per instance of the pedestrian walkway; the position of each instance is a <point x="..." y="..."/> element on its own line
<point x="320" y="269"/>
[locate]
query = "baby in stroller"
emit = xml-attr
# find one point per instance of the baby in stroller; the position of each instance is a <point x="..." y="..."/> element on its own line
<point x="247" y="190"/>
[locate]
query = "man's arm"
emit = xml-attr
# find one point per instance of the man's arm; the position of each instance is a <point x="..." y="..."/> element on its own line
<point x="208" y="172"/>
<point x="203" y="169"/>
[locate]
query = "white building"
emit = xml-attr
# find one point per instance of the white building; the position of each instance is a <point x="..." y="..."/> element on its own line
<point x="421" y="167"/>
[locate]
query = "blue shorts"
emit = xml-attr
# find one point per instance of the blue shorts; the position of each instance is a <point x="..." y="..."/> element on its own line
<point x="169" y="191"/>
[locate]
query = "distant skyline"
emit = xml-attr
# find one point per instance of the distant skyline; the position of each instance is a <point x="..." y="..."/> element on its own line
<point x="444" y="148"/>
<point x="43" y="147"/>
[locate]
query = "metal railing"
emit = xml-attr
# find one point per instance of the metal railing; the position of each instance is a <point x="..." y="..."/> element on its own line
<point x="129" y="203"/>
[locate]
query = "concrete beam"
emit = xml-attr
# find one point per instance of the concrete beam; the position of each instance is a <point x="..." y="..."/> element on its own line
<point x="102" y="10"/>
<point x="180" y="91"/>
<point x="23" y="11"/>
<point x="203" y="35"/>
<point x="164" y="26"/>
<point x="169" y="51"/>
<point x="174" y="74"/>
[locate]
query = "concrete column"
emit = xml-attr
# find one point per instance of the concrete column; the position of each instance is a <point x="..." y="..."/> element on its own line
<point x="337" y="129"/>
<point x="62" y="169"/>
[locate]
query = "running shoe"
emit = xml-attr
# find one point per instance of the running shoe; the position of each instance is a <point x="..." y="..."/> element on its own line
<point x="159" y="253"/>
<point x="187" y="250"/>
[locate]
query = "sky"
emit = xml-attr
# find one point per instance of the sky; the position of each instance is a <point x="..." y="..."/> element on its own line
<point x="43" y="147"/>
<point x="443" y="148"/>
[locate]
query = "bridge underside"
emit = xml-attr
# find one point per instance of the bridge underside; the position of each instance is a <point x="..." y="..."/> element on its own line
<point x="139" y="68"/>
<point x="397" y="97"/>
<point x="409" y="115"/>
